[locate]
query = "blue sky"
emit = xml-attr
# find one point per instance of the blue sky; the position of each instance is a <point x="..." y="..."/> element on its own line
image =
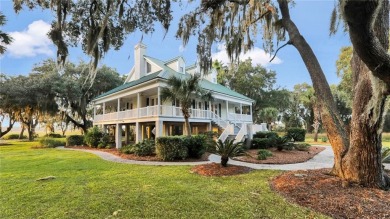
<point x="312" y="18"/>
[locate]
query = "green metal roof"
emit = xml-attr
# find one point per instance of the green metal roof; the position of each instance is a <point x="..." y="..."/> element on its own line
<point x="168" y="72"/>
<point x="130" y="84"/>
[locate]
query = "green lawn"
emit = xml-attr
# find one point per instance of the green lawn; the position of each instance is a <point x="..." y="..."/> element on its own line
<point x="89" y="187"/>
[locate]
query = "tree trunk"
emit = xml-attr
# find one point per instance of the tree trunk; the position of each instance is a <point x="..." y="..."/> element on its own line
<point x="362" y="163"/>
<point x="331" y="119"/>
<point x="8" y="129"/>
<point x="22" y="131"/>
<point x="224" y="161"/>
<point x="357" y="158"/>
<point x="187" y="126"/>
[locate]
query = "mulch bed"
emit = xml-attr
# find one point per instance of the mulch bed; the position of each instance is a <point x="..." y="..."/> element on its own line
<point x="318" y="190"/>
<point x="216" y="169"/>
<point x="281" y="157"/>
<point x="116" y="152"/>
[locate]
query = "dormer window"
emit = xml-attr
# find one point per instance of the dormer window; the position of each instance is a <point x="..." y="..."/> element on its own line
<point x="182" y="69"/>
<point x="148" y="67"/>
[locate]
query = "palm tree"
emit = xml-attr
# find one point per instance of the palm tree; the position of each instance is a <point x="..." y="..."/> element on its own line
<point x="269" y="114"/>
<point x="185" y="90"/>
<point x="228" y="149"/>
<point x="5" y="39"/>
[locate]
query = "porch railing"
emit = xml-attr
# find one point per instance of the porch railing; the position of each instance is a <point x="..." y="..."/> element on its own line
<point x="171" y="111"/>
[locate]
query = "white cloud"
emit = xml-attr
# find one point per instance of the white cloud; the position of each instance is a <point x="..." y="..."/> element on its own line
<point x="258" y="56"/>
<point x="31" y="42"/>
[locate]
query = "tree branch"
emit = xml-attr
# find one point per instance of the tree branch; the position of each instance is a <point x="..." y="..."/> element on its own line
<point x="288" y="43"/>
<point x="360" y="17"/>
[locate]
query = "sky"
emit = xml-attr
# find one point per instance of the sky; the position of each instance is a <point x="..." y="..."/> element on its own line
<point x="31" y="45"/>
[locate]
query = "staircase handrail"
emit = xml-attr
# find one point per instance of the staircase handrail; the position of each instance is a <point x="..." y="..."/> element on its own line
<point x="221" y="122"/>
<point x="226" y="133"/>
<point x="241" y="134"/>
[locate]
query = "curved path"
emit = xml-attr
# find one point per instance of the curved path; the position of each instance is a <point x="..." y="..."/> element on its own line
<point x="323" y="159"/>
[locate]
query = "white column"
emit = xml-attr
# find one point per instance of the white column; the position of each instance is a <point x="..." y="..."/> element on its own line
<point x="250" y="112"/>
<point x="159" y="128"/>
<point x="138" y="104"/>
<point x="104" y="108"/>
<point x="241" y="111"/>
<point x="118" y="136"/>
<point x="119" y="108"/>
<point x="104" y="128"/>
<point x="158" y="101"/>
<point x="127" y="134"/>
<point x="227" y="109"/>
<point x="137" y="133"/>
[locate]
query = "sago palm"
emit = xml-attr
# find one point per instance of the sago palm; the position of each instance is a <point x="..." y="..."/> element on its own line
<point x="228" y="149"/>
<point x="185" y="90"/>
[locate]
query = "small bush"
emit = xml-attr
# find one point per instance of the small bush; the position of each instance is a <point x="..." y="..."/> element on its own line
<point x="74" y="140"/>
<point x="53" y="135"/>
<point x="171" y="148"/>
<point x="50" y="143"/>
<point x="93" y="137"/>
<point x="228" y="149"/>
<point x="210" y="141"/>
<point x="297" y="134"/>
<point x="302" y="147"/>
<point x="196" y="145"/>
<point x="262" y="154"/>
<point x="283" y="143"/>
<point x="128" y="149"/>
<point x="265" y="135"/>
<point x="144" y="148"/>
<point x="13" y="136"/>
<point x="262" y="143"/>
<point x="324" y="139"/>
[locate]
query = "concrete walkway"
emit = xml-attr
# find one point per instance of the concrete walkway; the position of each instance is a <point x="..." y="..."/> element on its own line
<point x="322" y="160"/>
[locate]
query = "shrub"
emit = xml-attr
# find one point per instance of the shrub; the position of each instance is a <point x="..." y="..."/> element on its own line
<point x="210" y="141"/>
<point x="93" y="137"/>
<point x="13" y="136"/>
<point x="128" y="149"/>
<point x="228" y="149"/>
<point x="302" y="146"/>
<point x="262" y="143"/>
<point x="74" y="140"/>
<point x="171" y="148"/>
<point x="53" y="135"/>
<point x="297" y="134"/>
<point x="50" y="143"/>
<point x="283" y="143"/>
<point x="265" y="135"/>
<point x="262" y="154"/>
<point x="144" y="148"/>
<point x="324" y="139"/>
<point x="196" y="145"/>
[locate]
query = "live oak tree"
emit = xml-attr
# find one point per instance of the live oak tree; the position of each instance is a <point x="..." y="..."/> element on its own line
<point x="98" y="25"/>
<point x="28" y="98"/>
<point x="238" y="22"/>
<point x="73" y="95"/>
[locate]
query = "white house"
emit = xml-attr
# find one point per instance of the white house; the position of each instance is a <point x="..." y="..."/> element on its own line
<point x="136" y="107"/>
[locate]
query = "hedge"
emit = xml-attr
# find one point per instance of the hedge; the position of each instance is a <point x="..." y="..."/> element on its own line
<point x="262" y="143"/>
<point x="50" y="143"/>
<point x="74" y="140"/>
<point x="297" y="134"/>
<point x="196" y="145"/>
<point x="171" y="148"/>
<point x="13" y="136"/>
<point x="265" y="135"/>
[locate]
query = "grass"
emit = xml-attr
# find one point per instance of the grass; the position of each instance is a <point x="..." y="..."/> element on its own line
<point x="89" y="187"/>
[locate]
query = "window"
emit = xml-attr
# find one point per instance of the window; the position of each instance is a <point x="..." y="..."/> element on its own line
<point x="148" y="67"/>
<point x="152" y="104"/>
<point x="147" y="101"/>
<point x="181" y="69"/>
<point x="200" y="105"/>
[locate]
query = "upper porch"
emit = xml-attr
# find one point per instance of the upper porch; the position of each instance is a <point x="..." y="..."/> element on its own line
<point x="147" y="104"/>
